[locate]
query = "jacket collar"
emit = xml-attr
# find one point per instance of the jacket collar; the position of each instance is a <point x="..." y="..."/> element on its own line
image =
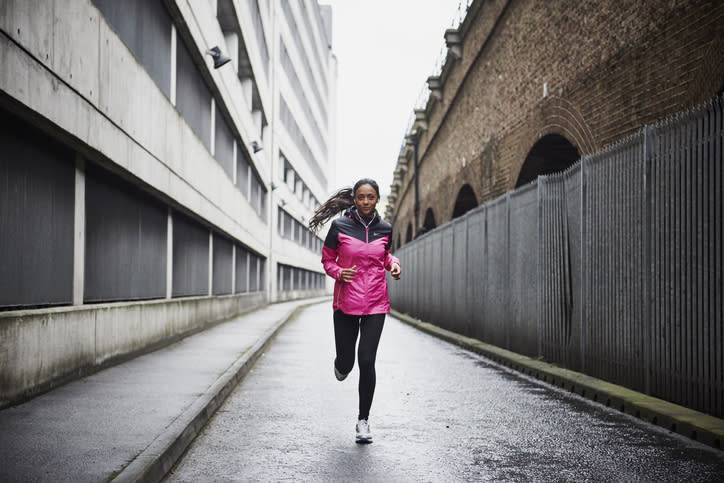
<point x="354" y="214"/>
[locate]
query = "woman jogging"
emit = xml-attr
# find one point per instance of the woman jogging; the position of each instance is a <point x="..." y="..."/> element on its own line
<point x="356" y="254"/>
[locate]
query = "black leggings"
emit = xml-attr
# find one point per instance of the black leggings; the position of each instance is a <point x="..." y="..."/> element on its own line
<point x="346" y="328"/>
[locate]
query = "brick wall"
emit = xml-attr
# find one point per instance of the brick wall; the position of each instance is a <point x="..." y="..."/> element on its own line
<point x="609" y="66"/>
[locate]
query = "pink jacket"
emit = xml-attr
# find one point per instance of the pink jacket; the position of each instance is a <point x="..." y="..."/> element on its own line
<point x="349" y="243"/>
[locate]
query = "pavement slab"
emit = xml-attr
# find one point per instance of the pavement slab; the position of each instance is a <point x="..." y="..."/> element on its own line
<point x="117" y="423"/>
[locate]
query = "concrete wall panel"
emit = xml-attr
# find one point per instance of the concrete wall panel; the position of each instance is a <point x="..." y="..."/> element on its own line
<point x="40" y="346"/>
<point x="118" y="331"/>
<point x="129" y="96"/>
<point x="30" y="23"/>
<point x="300" y="294"/>
<point x="76" y="23"/>
<point x="40" y="349"/>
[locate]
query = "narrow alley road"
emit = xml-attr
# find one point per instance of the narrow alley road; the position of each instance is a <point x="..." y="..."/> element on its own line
<point x="440" y="414"/>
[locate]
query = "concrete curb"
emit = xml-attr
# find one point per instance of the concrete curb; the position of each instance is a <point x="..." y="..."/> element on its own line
<point x="687" y="422"/>
<point x="154" y="463"/>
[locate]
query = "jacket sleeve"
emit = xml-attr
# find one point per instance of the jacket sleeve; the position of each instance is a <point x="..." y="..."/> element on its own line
<point x="390" y="259"/>
<point x="329" y="260"/>
<point x="329" y="254"/>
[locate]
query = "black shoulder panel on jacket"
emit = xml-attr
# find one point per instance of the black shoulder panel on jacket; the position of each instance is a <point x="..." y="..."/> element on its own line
<point x="379" y="230"/>
<point x="350" y="226"/>
<point x="331" y="240"/>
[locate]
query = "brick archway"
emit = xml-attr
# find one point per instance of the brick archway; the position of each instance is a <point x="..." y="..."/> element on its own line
<point x="465" y="201"/>
<point x="552" y="153"/>
<point x="429" y="223"/>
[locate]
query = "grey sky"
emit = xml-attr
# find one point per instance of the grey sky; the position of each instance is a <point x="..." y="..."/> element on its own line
<point x="385" y="51"/>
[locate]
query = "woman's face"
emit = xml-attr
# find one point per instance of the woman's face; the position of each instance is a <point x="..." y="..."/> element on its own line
<point x="366" y="200"/>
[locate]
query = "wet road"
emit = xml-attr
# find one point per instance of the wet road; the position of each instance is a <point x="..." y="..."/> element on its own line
<point x="440" y="414"/>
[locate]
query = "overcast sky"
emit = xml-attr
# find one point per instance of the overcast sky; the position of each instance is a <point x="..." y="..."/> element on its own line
<point x="385" y="51"/>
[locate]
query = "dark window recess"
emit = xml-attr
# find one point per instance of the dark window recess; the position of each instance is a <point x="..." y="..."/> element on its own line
<point x="126" y="244"/>
<point x="242" y="270"/>
<point x="224" y="144"/>
<point x="193" y="98"/>
<point x="37" y="203"/>
<point x="293" y="278"/>
<point x="145" y="27"/>
<point x="190" y="257"/>
<point x="223" y="257"/>
<point x="243" y="170"/>
<point x="253" y="273"/>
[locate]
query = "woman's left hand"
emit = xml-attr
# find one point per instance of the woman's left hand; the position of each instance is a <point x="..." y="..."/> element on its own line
<point x="395" y="271"/>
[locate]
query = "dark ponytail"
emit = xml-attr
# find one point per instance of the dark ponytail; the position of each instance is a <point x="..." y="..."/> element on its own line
<point x="337" y="203"/>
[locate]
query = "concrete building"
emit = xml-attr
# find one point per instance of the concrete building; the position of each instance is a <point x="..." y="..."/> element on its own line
<point x="145" y="190"/>
<point x="527" y="87"/>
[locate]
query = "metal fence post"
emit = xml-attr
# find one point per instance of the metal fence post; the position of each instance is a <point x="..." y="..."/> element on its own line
<point x="584" y="280"/>
<point x="507" y="272"/>
<point x="538" y="268"/>
<point x="648" y="152"/>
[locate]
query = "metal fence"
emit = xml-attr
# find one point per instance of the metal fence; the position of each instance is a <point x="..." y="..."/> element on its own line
<point x="612" y="268"/>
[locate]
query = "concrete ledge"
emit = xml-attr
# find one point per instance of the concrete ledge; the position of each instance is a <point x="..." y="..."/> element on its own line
<point x="154" y="463"/>
<point x="289" y="295"/>
<point x="43" y="348"/>
<point x="687" y="422"/>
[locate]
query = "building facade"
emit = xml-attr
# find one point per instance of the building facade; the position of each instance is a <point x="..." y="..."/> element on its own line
<point x="147" y="187"/>
<point x="559" y="193"/>
<point x="527" y="88"/>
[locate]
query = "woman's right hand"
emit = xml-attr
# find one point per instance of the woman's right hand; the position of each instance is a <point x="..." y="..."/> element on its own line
<point x="349" y="273"/>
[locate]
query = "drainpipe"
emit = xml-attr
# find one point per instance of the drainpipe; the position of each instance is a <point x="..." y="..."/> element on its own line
<point x="415" y="140"/>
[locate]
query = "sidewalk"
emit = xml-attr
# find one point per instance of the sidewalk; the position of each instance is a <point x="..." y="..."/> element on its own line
<point x="131" y="422"/>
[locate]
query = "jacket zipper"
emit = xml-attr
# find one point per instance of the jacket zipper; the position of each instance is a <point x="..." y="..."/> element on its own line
<point x="367" y="228"/>
<point x="367" y="240"/>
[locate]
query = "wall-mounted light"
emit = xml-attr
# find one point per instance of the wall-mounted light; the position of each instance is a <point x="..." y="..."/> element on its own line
<point x="273" y="186"/>
<point x="284" y="203"/>
<point x="219" y="58"/>
<point x="256" y="146"/>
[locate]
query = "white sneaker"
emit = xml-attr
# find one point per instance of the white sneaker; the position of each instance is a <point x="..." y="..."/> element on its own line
<point x="363" y="432"/>
<point x="339" y="375"/>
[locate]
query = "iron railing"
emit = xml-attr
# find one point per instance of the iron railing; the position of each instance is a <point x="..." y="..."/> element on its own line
<point x="612" y="268"/>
